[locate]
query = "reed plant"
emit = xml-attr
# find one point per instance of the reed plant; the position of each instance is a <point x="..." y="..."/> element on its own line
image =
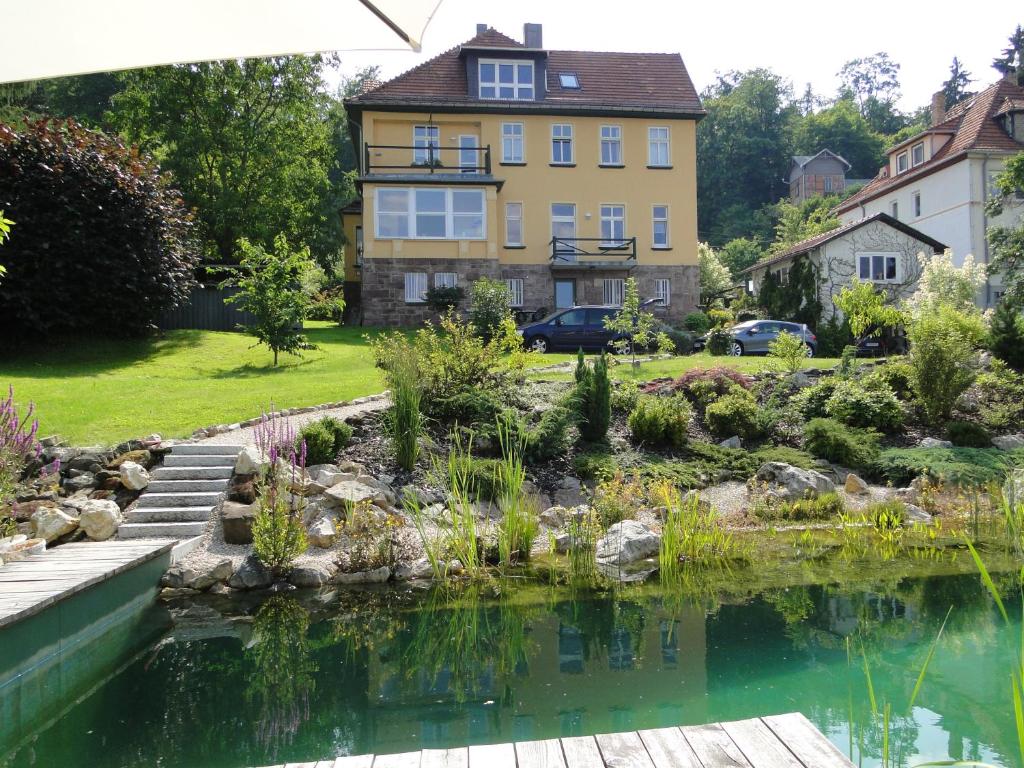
<point x="463" y="537"/>
<point x="405" y="421"/>
<point x="519" y="524"/>
<point x="584" y="530"/>
<point x="692" y="533"/>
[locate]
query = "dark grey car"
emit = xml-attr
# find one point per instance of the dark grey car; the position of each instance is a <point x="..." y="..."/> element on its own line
<point x="753" y="337"/>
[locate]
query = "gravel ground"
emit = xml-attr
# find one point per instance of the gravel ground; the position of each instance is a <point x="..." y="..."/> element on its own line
<point x="247" y="435"/>
<point x="731" y="498"/>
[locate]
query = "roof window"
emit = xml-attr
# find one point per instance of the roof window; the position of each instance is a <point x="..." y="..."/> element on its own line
<point x="568" y="80"/>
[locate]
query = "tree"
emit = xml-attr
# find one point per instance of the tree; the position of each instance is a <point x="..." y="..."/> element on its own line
<point x="85" y="98"/>
<point x="346" y="159"/>
<point x="1006" y="334"/>
<point x="798" y="299"/>
<point x="1012" y="61"/>
<point x="635" y="327"/>
<point x="942" y="283"/>
<point x="866" y="309"/>
<point x="1007" y="242"/>
<point x="270" y="289"/>
<point x="489" y="307"/>
<point x="594" y="398"/>
<point x="844" y="130"/>
<point x="795" y="223"/>
<point x="740" y="253"/>
<point x="954" y="90"/>
<point x="103" y="244"/>
<point x="873" y="82"/>
<point x="942" y="358"/>
<point x="249" y="143"/>
<point x="715" y="278"/>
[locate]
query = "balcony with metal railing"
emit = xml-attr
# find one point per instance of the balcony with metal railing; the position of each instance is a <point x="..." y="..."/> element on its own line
<point x="427" y="159"/>
<point x="593" y="253"/>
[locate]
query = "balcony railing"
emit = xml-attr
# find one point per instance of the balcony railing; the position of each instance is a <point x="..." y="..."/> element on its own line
<point x="593" y="252"/>
<point x="394" y="158"/>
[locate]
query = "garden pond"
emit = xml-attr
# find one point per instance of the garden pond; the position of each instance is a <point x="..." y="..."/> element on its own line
<point x="266" y="679"/>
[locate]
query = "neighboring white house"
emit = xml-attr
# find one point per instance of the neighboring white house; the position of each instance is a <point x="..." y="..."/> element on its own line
<point x="939" y="180"/>
<point x="878" y="249"/>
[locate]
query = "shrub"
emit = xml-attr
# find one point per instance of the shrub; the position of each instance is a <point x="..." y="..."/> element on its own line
<point x="790" y="350"/>
<point x="959" y="466"/>
<point x="681" y="342"/>
<point x="835" y="442"/>
<point x="475" y="408"/>
<point x="595" y="465"/>
<point x="811" y="401"/>
<point x="718" y="341"/>
<point x="319" y="443"/>
<point x="328" y="304"/>
<point x="489" y="306"/>
<point x="855" y="405"/>
<point x="98" y="226"/>
<point x="278" y="536"/>
<point x="1006" y="334"/>
<point x="548" y="437"/>
<point x="624" y="396"/>
<point x="341" y="432"/>
<point x="593" y="398"/>
<point x="697" y="322"/>
<point x="967" y="434"/>
<point x="617" y="499"/>
<point x="660" y="420"/>
<point x="374" y="541"/>
<point x="827" y="506"/>
<point x="942" y="358"/>
<point x="1001" y="393"/>
<point x="893" y="375"/>
<point x="444" y="298"/>
<point x="833" y="337"/>
<point x="735" y="413"/>
<point x="702" y="385"/>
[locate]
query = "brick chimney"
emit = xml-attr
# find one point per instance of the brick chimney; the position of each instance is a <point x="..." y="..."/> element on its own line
<point x="938" y="107"/>
<point x="481" y="28"/>
<point x="533" y="35"/>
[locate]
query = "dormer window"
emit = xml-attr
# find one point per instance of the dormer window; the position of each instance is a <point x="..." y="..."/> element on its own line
<point x="917" y="154"/>
<point x="901" y="162"/>
<point x="568" y="80"/>
<point x="506" y="80"/>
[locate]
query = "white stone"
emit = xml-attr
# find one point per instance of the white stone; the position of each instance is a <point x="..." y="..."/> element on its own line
<point x="50" y="523"/>
<point x="418" y="569"/>
<point x="350" y="492"/>
<point x="250" y="461"/>
<point x="376" y="576"/>
<point x="331" y="477"/>
<point x="916" y="515"/>
<point x="100" y="519"/>
<point x="1009" y="442"/>
<point x="791" y="482"/>
<point x="732" y="442"/>
<point x="553" y="517"/>
<point x="568" y="493"/>
<point x="134" y="476"/>
<point x="311" y="576"/>
<point x="323" y="533"/>
<point x="933" y="442"/>
<point x="855" y="484"/>
<point x="627" y="542"/>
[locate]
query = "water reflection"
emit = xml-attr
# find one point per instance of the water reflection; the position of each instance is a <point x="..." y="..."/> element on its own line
<point x="393" y="671"/>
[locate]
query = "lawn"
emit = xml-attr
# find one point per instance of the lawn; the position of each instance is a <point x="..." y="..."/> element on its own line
<point x="104" y="391"/>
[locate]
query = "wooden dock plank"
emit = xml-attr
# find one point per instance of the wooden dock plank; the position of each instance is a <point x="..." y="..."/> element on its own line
<point x="581" y="752"/>
<point x="714" y="747"/>
<point x="623" y="750"/>
<point x="805" y="741"/>
<point x="546" y="753"/>
<point x="445" y="758"/>
<point x="398" y="760"/>
<point x="760" y="745"/>
<point x="492" y="756"/>
<point x="353" y="761"/>
<point x="668" y="748"/>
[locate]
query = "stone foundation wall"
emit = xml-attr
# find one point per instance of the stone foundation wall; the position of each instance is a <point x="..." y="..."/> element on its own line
<point x="383" y="293"/>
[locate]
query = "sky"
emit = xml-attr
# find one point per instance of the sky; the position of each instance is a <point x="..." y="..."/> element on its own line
<point x="805" y="42"/>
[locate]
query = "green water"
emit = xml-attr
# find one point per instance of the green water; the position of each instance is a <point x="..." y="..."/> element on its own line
<point x="298" y="679"/>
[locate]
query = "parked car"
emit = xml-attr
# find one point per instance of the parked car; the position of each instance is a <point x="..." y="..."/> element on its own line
<point x="754" y="336"/>
<point x="888" y="341"/>
<point x="571" y="329"/>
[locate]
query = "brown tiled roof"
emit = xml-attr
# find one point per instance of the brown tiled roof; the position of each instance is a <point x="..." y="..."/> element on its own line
<point x="974" y="128"/>
<point x="804" y="246"/>
<point x="652" y="82"/>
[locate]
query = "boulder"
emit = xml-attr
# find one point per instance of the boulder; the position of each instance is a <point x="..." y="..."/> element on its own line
<point x="143" y="457"/>
<point x="311" y="576"/>
<point x="81" y="481"/>
<point x="418" y="569"/>
<point x="562" y="542"/>
<point x="22" y="511"/>
<point x="243" y="492"/>
<point x="934" y="442"/>
<point x="327" y="477"/>
<point x="916" y="515"/>
<point x="218" y="574"/>
<point x="250" y="461"/>
<point x="100" y="518"/>
<point x="732" y="442"/>
<point x="20" y="546"/>
<point x="353" y="467"/>
<point x="323" y="533"/>
<point x="800" y="380"/>
<point x="348" y="493"/>
<point x="87" y="461"/>
<point x="177" y="576"/>
<point x="568" y="492"/>
<point x="236" y="520"/>
<point x="384" y="488"/>
<point x="251" y="574"/>
<point x="627" y="542"/>
<point x="134" y="476"/>
<point x="855" y="484"/>
<point x="553" y="517"/>
<point x="376" y="576"/>
<point x="792" y="483"/>
<point x="50" y="524"/>
<point x="1009" y="442"/>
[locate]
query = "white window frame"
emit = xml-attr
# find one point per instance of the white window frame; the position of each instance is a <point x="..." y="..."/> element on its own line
<point x="904" y="158"/>
<point x="570" y="254"/>
<point x="656" y="143"/>
<point x="612" y="213"/>
<point x="655" y="220"/>
<point x="431" y="136"/>
<point x="827" y="185"/>
<point x="511" y="141"/>
<point x="415" y="287"/>
<point x="914" y="162"/>
<point x="516" y="86"/>
<point x="473" y="155"/>
<point x="663" y="290"/>
<point x="869" y="257"/>
<point x="611" y="139"/>
<point x="451" y="216"/>
<point x="514" y="215"/>
<point x="613" y="290"/>
<point x="562" y="138"/>
<point x="446" y="279"/>
<point x="515" y="291"/>
<point x="915" y="203"/>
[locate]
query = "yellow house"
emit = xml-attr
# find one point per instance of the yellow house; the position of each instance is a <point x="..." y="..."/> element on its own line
<point x="561" y="173"/>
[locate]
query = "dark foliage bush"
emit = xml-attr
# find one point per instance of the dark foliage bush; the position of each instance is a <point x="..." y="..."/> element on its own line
<point x="840" y="444"/>
<point x="1001" y="395"/>
<point x="964" y="466"/>
<point x="718" y="341"/>
<point x="473" y="408"/>
<point x="735" y="413"/>
<point x="328" y="304"/>
<point x="697" y="322"/>
<point x="593" y="398"/>
<point x="833" y="337"/>
<point x="441" y="299"/>
<point x="682" y="341"/>
<point x="547" y="438"/>
<point x="658" y="420"/>
<point x="103" y="243"/>
<point x="1006" y="334"/>
<point x="968" y="434"/>
<point x="324" y="439"/>
<point x="340" y="431"/>
<point x="811" y="402"/>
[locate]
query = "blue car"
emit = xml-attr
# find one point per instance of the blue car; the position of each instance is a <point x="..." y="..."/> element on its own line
<point x="571" y="329"/>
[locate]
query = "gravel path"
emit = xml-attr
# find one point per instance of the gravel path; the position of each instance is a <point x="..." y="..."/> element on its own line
<point x="247" y="435"/>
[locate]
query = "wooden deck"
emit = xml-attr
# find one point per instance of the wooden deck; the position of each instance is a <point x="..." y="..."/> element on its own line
<point x="778" y="741"/>
<point x="37" y="582"/>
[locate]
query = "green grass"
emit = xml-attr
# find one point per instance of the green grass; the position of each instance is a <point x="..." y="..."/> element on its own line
<point x="104" y="391"/>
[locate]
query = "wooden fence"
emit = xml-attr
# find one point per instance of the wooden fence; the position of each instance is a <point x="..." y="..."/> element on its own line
<point x="206" y="310"/>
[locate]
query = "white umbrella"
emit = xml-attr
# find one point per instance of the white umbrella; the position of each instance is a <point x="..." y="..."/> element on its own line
<point x="53" y="38"/>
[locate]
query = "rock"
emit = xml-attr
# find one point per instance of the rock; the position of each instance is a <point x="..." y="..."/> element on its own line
<point x="384" y="488"/>
<point x="323" y="533"/>
<point x="328" y="478"/>
<point x="567" y="493"/>
<point x="1008" y="442"/>
<point x="418" y="569"/>
<point x="916" y="515"/>
<point x="20" y="546"/>
<point x="251" y="574"/>
<point x="800" y="380"/>
<point x="353" y="467"/>
<point x="906" y="495"/>
<point x="220" y="573"/>
<point x="792" y="482"/>
<point x="134" y="476"/>
<point x="100" y="519"/>
<point x="1013" y="489"/>
<point x="562" y="542"/>
<point x="174" y="593"/>
<point x="627" y="542"/>
<point x="423" y="496"/>
<point x="142" y="456"/>
<point x="22" y="511"/>
<point x="177" y="576"/>
<point x="236" y="520"/>
<point x="87" y="461"/>
<point x="486" y="510"/>
<point x="250" y="461"/>
<point x="50" y="524"/>
<point x="348" y="493"/>
<point x="855" y="485"/>
<point x="377" y="576"/>
<point x="282" y="586"/>
<point x="732" y="442"/>
<point x="243" y="492"/>
<point x="553" y="517"/>
<point x="82" y="481"/>
<point x="934" y="442"/>
<point x="311" y="576"/>
<point x="220" y="588"/>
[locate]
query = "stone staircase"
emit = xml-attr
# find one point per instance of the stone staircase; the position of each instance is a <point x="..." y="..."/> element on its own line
<point x="182" y="493"/>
